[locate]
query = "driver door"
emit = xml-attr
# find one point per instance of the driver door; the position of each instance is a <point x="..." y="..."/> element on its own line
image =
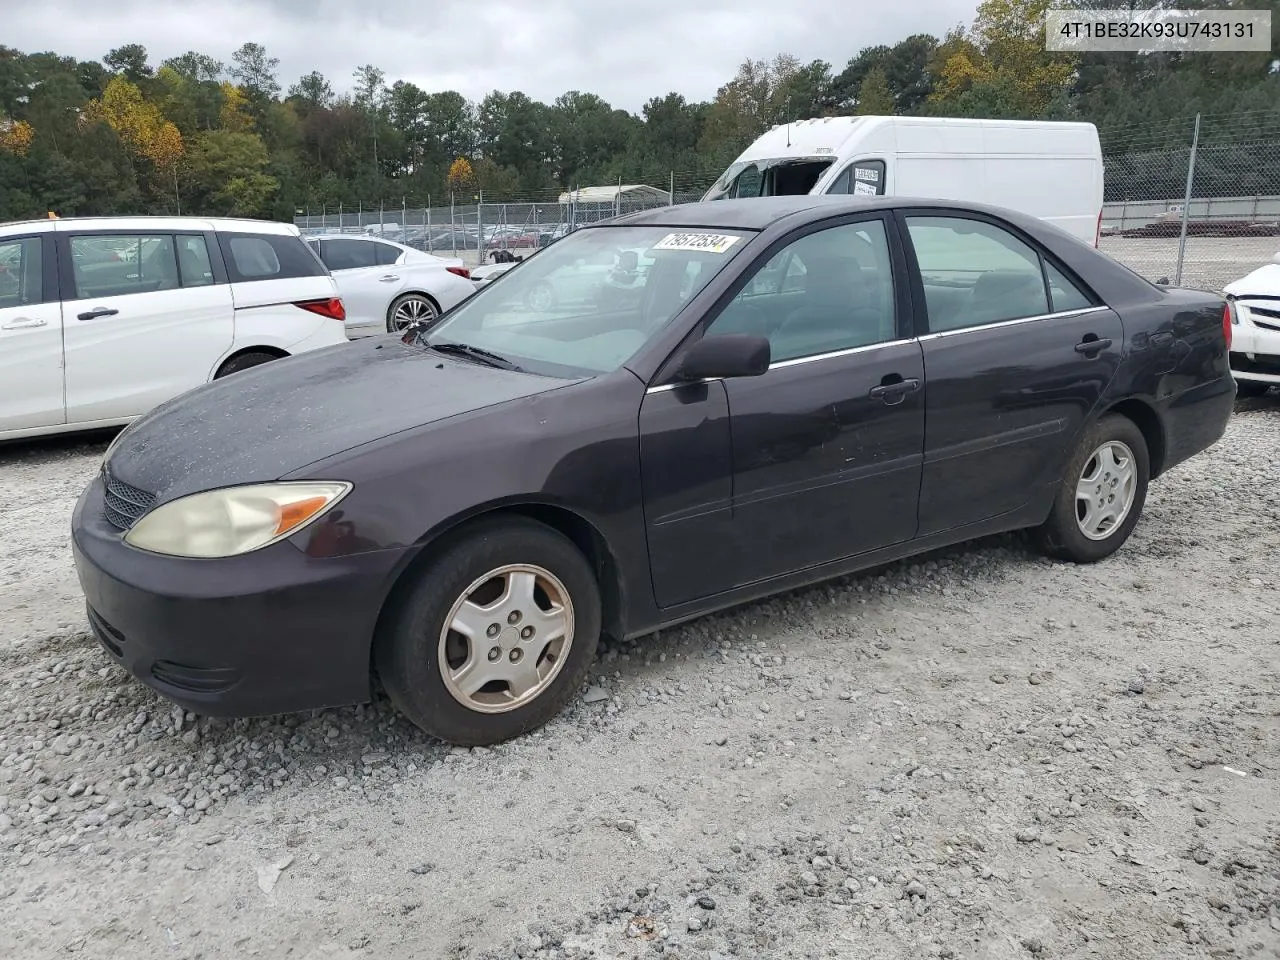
<point x="819" y="459"/>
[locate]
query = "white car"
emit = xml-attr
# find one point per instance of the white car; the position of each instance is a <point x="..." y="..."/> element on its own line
<point x="102" y="319"/>
<point x="1255" y="333"/>
<point x="386" y="286"/>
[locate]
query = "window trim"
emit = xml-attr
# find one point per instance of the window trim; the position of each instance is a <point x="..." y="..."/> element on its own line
<point x="49" y="292"/>
<point x="213" y="265"/>
<point x="904" y="316"/>
<point x="916" y="278"/>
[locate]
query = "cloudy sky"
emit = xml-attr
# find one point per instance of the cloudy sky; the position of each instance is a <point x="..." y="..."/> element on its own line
<point x="625" y="51"/>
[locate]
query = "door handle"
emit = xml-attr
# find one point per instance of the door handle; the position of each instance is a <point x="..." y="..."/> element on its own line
<point x="23" y="323"/>
<point x="893" y="391"/>
<point x="389" y="278"/>
<point x="97" y="312"/>
<point x="1092" y="345"/>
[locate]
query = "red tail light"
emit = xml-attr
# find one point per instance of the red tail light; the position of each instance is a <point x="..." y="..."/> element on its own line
<point x="462" y="272"/>
<point x="331" y="308"/>
<point x="1227" y="318"/>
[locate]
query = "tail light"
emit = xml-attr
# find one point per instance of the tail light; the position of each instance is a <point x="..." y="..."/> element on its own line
<point x="1228" y="318"/>
<point x="331" y="308"/>
<point x="462" y="272"/>
<point x="1097" y="233"/>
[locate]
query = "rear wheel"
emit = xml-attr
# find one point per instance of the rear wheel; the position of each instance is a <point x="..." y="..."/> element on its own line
<point x="1102" y="494"/>
<point x="494" y="636"/>
<point x="243" y="362"/>
<point x="409" y="309"/>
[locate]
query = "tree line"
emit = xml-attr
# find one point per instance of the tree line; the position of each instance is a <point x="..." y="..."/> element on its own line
<point x="193" y="134"/>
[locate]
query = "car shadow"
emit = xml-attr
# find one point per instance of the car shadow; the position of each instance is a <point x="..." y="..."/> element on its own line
<point x="40" y="450"/>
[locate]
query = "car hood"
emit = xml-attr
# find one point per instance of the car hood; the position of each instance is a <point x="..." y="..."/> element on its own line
<point x="263" y="423"/>
<point x="1263" y="282"/>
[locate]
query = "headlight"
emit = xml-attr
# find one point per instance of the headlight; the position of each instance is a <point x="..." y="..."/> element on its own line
<point x="234" y="520"/>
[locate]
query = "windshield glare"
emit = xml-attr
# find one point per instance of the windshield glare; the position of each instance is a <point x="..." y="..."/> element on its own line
<point x="589" y="302"/>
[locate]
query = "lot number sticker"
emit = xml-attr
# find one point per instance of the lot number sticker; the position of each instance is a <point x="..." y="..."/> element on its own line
<point x="864" y="189"/>
<point x="708" y="242"/>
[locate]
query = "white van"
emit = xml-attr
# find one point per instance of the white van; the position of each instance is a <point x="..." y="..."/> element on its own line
<point x="103" y="319"/>
<point x="1048" y="169"/>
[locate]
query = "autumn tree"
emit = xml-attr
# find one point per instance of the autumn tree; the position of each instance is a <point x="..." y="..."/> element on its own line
<point x="999" y="67"/>
<point x="16" y="137"/>
<point x="138" y="123"/>
<point x="234" y="113"/>
<point x="461" y="176"/>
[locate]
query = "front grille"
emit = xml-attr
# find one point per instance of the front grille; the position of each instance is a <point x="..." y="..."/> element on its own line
<point x="124" y="503"/>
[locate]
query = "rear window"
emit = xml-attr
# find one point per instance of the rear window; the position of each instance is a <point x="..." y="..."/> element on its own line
<point x="264" y="256"/>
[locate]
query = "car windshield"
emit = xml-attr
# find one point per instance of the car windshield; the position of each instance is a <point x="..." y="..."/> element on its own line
<point x="589" y="302"/>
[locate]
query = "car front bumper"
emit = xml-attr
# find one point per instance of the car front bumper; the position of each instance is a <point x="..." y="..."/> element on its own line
<point x="1255" y="341"/>
<point x="273" y="631"/>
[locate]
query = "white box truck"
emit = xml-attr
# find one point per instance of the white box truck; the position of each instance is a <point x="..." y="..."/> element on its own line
<point x="1048" y="169"/>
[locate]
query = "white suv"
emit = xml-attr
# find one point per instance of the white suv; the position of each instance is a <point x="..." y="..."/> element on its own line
<point x="102" y="319"/>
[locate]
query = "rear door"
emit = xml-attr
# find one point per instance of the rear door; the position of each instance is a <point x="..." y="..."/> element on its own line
<point x="30" y="334"/>
<point x="1018" y="354"/>
<point x="146" y="317"/>
<point x="367" y="277"/>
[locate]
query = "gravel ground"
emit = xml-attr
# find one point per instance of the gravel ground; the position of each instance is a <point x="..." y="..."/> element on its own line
<point x="981" y="754"/>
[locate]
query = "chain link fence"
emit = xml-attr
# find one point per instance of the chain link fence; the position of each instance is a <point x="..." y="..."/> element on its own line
<point x="1195" y="203"/>
<point x="479" y="231"/>
<point x="1201" y="214"/>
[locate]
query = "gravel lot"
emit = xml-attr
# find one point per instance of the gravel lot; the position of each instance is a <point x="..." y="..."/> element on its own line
<point x="1210" y="262"/>
<point x="979" y="755"/>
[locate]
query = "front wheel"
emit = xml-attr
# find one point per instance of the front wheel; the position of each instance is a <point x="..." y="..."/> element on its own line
<point x="410" y="309"/>
<point x="1102" y="494"/>
<point x="494" y="636"/>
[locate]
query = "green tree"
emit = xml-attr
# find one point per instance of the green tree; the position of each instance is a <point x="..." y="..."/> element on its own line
<point x="874" y="96"/>
<point x="130" y="61"/>
<point x="227" y="173"/>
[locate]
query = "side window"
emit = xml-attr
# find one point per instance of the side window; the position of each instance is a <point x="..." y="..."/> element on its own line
<point x="868" y="178"/>
<point x="194" y="266"/>
<point x="748" y="182"/>
<point x="386" y="254"/>
<point x="837" y="294"/>
<point x="118" y="265"/>
<point x="262" y="256"/>
<point x="1065" y="294"/>
<point x="21" y="272"/>
<point x="975" y="273"/>
<point x="843" y="183"/>
<point x="350" y="254"/>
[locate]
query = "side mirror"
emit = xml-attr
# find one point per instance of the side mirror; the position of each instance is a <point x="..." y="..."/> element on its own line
<point x="725" y="356"/>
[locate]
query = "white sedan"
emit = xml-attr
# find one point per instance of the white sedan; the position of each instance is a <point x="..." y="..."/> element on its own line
<point x="1255" y="336"/>
<point x="386" y="286"/>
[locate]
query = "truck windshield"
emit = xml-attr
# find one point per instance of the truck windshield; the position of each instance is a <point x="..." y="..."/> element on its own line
<point x="780" y="176"/>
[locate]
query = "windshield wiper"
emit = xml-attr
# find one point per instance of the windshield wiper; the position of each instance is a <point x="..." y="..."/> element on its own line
<point x="487" y="357"/>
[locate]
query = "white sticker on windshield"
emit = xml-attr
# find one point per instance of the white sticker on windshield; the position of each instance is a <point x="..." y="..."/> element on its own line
<point x="869" y="174"/>
<point x="707" y="242"/>
<point x="864" y="189"/>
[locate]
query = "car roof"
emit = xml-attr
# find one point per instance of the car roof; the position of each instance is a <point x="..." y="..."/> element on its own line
<point x="235" y="224"/>
<point x="760" y="213"/>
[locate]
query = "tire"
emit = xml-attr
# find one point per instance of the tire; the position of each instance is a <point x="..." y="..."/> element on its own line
<point x="1251" y="388"/>
<point x="423" y="665"/>
<point x="409" y="308"/>
<point x="1063" y="534"/>
<point x="243" y="362"/>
